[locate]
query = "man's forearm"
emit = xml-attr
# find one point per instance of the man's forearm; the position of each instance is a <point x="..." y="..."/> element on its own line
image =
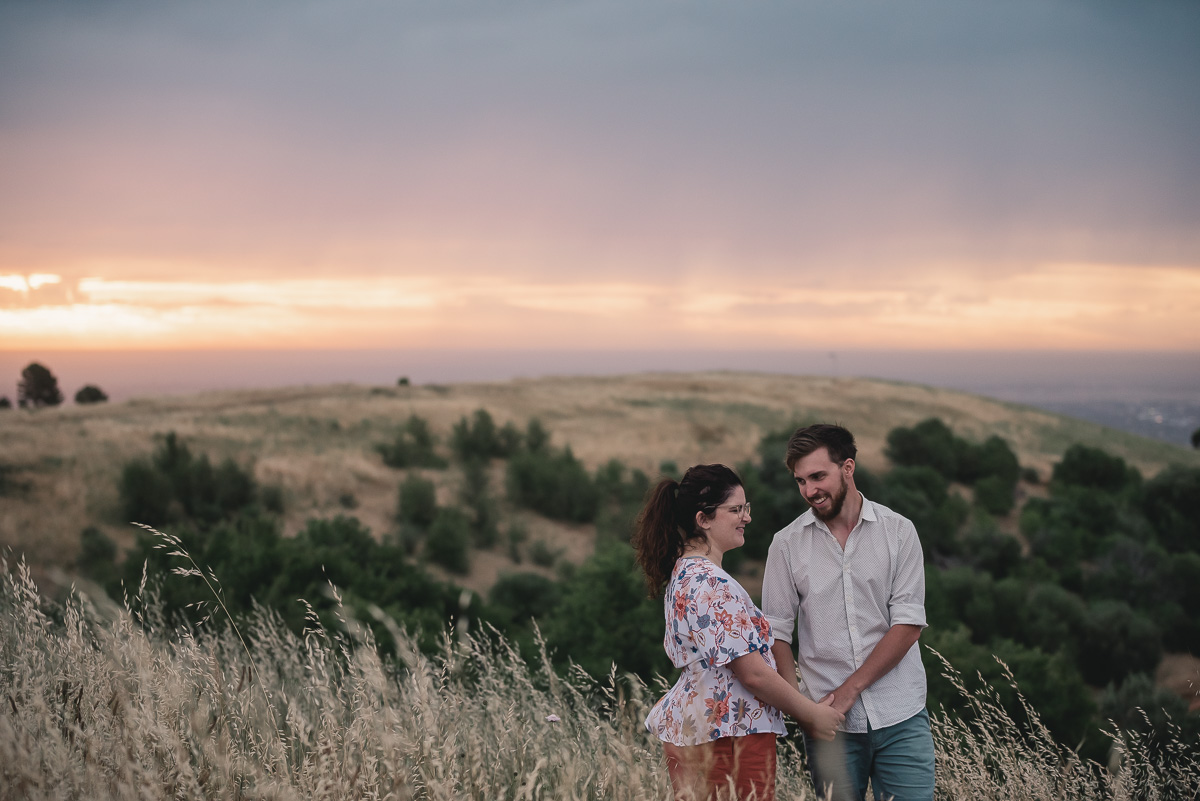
<point x="886" y="654"/>
<point x="785" y="663"/>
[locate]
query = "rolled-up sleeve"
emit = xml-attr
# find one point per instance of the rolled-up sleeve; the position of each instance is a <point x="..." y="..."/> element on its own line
<point x="907" y="602"/>
<point x="780" y="600"/>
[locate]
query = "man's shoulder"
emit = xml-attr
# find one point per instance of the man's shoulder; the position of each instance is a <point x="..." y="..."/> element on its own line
<point x="797" y="528"/>
<point x="886" y="516"/>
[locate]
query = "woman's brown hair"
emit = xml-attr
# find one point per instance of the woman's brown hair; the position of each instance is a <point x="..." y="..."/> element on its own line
<point x="668" y="521"/>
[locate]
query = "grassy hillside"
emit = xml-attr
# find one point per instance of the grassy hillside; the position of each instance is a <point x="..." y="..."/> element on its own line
<point x="62" y="465"/>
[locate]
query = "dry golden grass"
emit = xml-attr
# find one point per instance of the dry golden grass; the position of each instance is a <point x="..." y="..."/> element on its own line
<point x="316" y="442"/>
<point x="108" y="704"/>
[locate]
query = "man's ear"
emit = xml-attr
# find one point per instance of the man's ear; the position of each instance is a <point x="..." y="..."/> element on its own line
<point x="848" y="469"/>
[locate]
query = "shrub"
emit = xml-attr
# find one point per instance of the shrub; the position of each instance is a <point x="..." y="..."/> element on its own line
<point x="1116" y="641"/>
<point x="97" y="556"/>
<point x="542" y="555"/>
<point x="518" y="597"/>
<point x="1093" y="468"/>
<point x="448" y="541"/>
<point x="554" y="483"/>
<point x="5" y="403"/>
<point x="516" y="536"/>
<point x="994" y="494"/>
<point x="536" y="436"/>
<point x="988" y="548"/>
<point x="605" y="617"/>
<point x="416" y="502"/>
<point x="922" y="495"/>
<point x="1171" y="502"/>
<point x="478" y="438"/>
<point x="412" y="447"/>
<point x="173" y="485"/>
<point x="480" y="504"/>
<point x="930" y="443"/>
<point x="90" y="394"/>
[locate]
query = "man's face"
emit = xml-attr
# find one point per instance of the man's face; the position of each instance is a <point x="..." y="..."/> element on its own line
<point x="822" y="482"/>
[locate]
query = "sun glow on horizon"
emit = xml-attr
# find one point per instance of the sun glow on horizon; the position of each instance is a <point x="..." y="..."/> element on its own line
<point x="1072" y="306"/>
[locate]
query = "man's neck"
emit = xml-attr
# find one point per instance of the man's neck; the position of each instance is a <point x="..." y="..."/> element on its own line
<point x="841" y="526"/>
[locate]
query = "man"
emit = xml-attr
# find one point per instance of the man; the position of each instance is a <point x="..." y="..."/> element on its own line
<point x="849" y="574"/>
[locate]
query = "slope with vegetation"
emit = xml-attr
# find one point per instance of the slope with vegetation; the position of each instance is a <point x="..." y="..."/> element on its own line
<point x="1072" y="567"/>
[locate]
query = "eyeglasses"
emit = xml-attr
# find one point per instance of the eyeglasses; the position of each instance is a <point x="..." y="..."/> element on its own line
<point x="739" y="510"/>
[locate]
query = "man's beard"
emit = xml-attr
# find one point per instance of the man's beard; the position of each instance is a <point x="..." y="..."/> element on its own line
<point x="835" y="503"/>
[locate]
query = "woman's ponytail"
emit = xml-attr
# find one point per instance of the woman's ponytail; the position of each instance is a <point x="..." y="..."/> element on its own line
<point x="668" y="520"/>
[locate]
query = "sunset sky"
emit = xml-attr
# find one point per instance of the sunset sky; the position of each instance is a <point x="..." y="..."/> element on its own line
<point x="610" y="174"/>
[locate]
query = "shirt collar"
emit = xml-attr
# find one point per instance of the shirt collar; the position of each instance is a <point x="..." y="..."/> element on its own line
<point x="867" y="512"/>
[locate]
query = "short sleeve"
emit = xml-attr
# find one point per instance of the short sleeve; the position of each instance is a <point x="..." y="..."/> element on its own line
<point x="713" y="621"/>
<point x="780" y="600"/>
<point x="907" y="602"/>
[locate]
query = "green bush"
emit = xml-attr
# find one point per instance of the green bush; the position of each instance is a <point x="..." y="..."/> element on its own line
<point x="481" y="506"/>
<point x="449" y="540"/>
<point x="478" y="438"/>
<point x="175" y="486"/>
<point x="97" y="556"/>
<point x="1171" y="502"/>
<point x="1116" y="641"/>
<point x="930" y="443"/>
<point x="542" y="555"/>
<point x="988" y="548"/>
<point x="536" y="436"/>
<point x="413" y="446"/>
<point x="994" y="495"/>
<point x="516" y="598"/>
<point x="416" y="502"/>
<point x="90" y="394"/>
<point x="1093" y="468"/>
<point x="922" y="495"/>
<point x="554" y="483"/>
<point x="605" y="617"/>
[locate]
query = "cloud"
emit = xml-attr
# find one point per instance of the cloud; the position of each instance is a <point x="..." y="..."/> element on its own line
<point x="553" y="139"/>
<point x="1067" y="306"/>
<point x="39" y="290"/>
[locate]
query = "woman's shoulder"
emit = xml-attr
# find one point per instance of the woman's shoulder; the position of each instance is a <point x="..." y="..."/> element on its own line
<point x="695" y="572"/>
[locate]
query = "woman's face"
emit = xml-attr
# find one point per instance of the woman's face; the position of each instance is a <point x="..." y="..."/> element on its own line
<point x="726" y="529"/>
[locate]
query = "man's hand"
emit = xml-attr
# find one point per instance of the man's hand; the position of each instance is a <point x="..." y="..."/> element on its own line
<point x="824" y="721"/>
<point x="841" y="699"/>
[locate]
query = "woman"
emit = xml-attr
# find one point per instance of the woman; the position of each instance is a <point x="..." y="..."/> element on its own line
<point x="719" y="722"/>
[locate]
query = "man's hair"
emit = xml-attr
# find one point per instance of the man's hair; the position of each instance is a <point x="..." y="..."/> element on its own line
<point x="837" y="440"/>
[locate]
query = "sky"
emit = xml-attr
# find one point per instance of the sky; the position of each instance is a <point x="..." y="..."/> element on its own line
<point x="618" y="174"/>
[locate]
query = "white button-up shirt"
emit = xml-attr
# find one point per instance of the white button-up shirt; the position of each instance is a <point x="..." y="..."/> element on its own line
<point x="843" y="602"/>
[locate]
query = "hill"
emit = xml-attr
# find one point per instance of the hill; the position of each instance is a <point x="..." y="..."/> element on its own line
<point x="61" y="466"/>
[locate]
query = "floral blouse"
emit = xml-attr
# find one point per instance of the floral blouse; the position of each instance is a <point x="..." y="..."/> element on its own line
<point x="710" y="622"/>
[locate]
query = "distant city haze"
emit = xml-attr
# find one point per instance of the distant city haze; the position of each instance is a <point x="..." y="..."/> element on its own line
<point x="1151" y="393"/>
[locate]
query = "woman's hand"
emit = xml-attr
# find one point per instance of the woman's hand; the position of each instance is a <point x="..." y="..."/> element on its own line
<point x="819" y="720"/>
<point x="823" y="720"/>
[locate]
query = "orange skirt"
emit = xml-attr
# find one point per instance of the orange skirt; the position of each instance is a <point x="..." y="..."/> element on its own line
<point x="740" y="768"/>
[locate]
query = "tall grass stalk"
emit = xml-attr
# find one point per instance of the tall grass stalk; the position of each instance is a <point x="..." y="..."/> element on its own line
<point x="116" y="708"/>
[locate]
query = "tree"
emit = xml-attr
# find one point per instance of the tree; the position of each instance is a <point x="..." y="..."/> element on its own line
<point x="90" y="394"/>
<point x="930" y="443"/>
<point x="412" y="447"/>
<point x="1196" y="438"/>
<point x="38" y="387"/>
<point x="605" y="617"/>
<point x="449" y="540"/>
<point x="1091" y="467"/>
<point x="1171" y="502"/>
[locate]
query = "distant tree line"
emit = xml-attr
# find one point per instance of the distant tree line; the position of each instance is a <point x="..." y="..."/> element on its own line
<point x="38" y="388"/>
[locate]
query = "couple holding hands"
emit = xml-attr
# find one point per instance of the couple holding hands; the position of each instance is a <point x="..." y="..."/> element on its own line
<point x="847" y="577"/>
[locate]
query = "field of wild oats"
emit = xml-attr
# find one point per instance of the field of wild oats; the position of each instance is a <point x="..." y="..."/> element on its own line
<point x="101" y="702"/>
